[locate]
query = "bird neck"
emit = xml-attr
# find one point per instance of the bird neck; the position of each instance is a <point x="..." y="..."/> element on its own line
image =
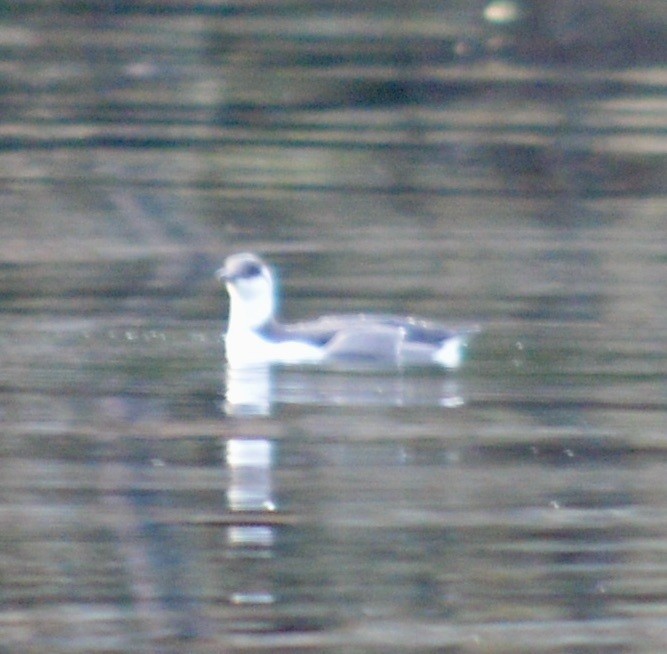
<point x="245" y="314"/>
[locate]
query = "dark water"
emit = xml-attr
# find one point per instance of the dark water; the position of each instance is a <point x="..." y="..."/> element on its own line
<point x="496" y="163"/>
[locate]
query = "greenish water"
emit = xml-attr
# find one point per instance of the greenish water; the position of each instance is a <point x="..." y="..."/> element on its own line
<point x="425" y="161"/>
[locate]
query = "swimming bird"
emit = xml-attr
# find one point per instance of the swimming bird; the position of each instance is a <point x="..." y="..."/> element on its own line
<point x="255" y="337"/>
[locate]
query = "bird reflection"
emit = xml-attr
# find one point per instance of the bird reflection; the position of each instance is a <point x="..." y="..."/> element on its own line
<point x="250" y="492"/>
<point x="255" y="390"/>
<point x="248" y="390"/>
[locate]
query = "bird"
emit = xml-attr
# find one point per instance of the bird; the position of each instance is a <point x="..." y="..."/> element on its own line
<point x="254" y="336"/>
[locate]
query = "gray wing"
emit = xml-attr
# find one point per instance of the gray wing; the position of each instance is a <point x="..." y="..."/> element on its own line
<point x="345" y="338"/>
<point x="412" y="330"/>
<point x="368" y="338"/>
<point x="372" y="343"/>
<point x="318" y="332"/>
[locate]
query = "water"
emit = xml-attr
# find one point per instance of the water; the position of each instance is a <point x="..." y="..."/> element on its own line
<point x="453" y="167"/>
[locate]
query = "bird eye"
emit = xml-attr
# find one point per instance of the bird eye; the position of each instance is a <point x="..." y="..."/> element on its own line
<point x="251" y="270"/>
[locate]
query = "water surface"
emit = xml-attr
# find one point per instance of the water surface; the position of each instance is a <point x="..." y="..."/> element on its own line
<point x="429" y="161"/>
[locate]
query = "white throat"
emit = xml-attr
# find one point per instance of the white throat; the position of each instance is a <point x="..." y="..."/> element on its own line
<point x="251" y="304"/>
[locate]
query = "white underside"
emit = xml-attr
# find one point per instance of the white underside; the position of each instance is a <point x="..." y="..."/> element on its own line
<point x="247" y="349"/>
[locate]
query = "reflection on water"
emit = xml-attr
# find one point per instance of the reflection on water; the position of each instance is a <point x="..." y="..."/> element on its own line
<point x="250" y="464"/>
<point x="254" y="390"/>
<point x="494" y="162"/>
<point x="513" y="500"/>
<point x="249" y="390"/>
